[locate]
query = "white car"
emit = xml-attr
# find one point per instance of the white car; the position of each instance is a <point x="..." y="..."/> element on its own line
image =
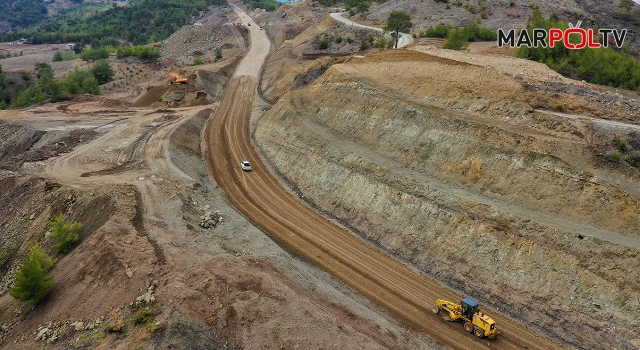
<point x="245" y="165"/>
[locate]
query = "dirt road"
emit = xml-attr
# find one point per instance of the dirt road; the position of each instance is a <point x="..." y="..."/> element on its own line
<point x="260" y="196"/>
<point x="404" y="40"/>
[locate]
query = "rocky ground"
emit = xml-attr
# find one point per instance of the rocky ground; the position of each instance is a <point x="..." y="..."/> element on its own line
<point x="498" y="179"/>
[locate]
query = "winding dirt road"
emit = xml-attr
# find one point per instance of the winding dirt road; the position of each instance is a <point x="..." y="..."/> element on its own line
<point x="260" y="197"/>
<point x="404" y="40"/>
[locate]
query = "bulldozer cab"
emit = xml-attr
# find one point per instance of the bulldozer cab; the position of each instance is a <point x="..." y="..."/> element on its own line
<point x="469" y="307"/>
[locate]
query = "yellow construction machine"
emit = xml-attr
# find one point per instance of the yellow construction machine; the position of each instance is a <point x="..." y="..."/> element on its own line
<point x="175" y="78"/>
<point x="468" y="311"/>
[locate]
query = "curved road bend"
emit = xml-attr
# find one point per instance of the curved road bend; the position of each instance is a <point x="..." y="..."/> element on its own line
<point x="259" y="196"/>
<point x="404" y="40"/>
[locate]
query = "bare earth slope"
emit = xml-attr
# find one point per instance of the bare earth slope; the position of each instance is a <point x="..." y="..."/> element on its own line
<point x="461" y="176"/>
<point x="260" y="197"/>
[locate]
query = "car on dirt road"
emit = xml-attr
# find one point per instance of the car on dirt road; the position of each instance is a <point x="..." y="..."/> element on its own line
<point x="245" y="165"/>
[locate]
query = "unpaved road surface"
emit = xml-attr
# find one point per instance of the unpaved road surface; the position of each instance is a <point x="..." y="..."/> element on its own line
<point x="260" y="196"/>
<point x="405" y="39"/>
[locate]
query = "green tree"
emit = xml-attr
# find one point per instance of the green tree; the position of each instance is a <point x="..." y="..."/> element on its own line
<point x="89" y="54"/>
<point x="626" y="5"/>
<point x="32" y="283"/>
<point x="103" y="72"/>
<point x="363" y="45"/>
<point x="58" y="57"/>
<point x="218" y="55"/>
<point x="397" y="22"/>
<point x="64" y="232"/>
<point x="382" y="43"/>
<point x="456" y="39"/>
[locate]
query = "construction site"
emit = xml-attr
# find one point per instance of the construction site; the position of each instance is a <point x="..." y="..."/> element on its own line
<point x="409" y="198"/>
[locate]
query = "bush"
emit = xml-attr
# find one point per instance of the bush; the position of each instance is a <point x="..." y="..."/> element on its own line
<point x="322" y="45"/>
<point x="631" y="161"/>
<point x="103" y="72"/>
<point x="456" y="40"/>
<point x="438" y="31"/>
<point x="143" y="317"/>
<point x="349" y="40"/>
<point x="620" y="143"/>
<point x="197" y="61"/>
<point x="32" y="283"/>
<point x="65" y="233"/>
<point x="4" y="255"/>
<point x="218" y="55"/>
<point x="382" y="43"/>
<point x="142" y="52"/>
<point x="616" y="156"/>
<point x="338" y="39"/>
<point x="363" y="45"/>
<point x="58" y="57"/>
<point x="89" y="54"/>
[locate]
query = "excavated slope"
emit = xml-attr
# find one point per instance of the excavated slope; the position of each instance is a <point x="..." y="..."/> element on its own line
<point x="464" y="172"/>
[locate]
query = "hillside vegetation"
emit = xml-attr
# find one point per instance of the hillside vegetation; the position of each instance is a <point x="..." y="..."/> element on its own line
<point x="21" y="13"/>
<point x="604" y="66"/>
<point x="147" y="22"/>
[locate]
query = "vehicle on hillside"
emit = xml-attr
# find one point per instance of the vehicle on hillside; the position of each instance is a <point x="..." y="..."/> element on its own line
<point x="245" y="165"/>
<point x="468" y="311"/>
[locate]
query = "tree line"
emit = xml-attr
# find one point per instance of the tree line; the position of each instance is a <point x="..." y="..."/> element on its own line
<point x="604" y="66"/>
<point x="47" y="88"/>
<point x="141" y="23"/>
<point x="22" y="13"/>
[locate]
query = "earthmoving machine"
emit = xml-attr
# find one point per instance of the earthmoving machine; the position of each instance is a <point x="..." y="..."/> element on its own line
<point x="175" y="78"/>
<point x="468" y="311"/>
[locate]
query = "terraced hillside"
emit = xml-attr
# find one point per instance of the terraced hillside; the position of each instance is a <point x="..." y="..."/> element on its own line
<point x="495" y="178"/>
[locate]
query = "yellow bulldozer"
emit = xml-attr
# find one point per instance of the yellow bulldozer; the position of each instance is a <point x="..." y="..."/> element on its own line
<point x="468" y="311"/>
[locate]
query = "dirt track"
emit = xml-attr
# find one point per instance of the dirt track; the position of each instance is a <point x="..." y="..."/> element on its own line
<point x="261" y="198"/>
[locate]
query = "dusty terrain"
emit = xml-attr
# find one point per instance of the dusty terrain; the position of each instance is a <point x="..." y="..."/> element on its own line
<point x="502" y="196"/>
<point x="379" y="185"/>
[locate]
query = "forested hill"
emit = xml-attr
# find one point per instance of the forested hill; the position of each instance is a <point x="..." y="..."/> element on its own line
<point x="16" y="14"/>
<point x="140" y="23"/>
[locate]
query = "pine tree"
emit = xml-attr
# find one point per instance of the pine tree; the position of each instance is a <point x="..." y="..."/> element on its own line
<point x="32" y="283"/>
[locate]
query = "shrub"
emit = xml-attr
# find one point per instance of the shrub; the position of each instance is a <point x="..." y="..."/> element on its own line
<point x="58" y="57"/>
<point x="322" y="45"/>
<point x="620" y="143"/>
<point x="65" y="233"/>
<point x="631" y="161"/>
<point x="103" y="72"/>
<point x="616" y="156"/>
<point x="363" y="45"/>
<point x="89" y="54"/>
<point x="456" y="40"/>
<point x="32" y="283"/>
<point x="438" y="31"/>
<point x="218" y="55"/>
<point x="382" y="43"/>
<point x="143" y="317"/>
<point x="140" y="51"/>
<point x="4" y="255"/>
<point x="197" y="61"/>
<point x="338" y="39"/>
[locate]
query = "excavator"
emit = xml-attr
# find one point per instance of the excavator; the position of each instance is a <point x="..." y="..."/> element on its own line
<point x="175" y="78"/>
<point x="468" y="311"/>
